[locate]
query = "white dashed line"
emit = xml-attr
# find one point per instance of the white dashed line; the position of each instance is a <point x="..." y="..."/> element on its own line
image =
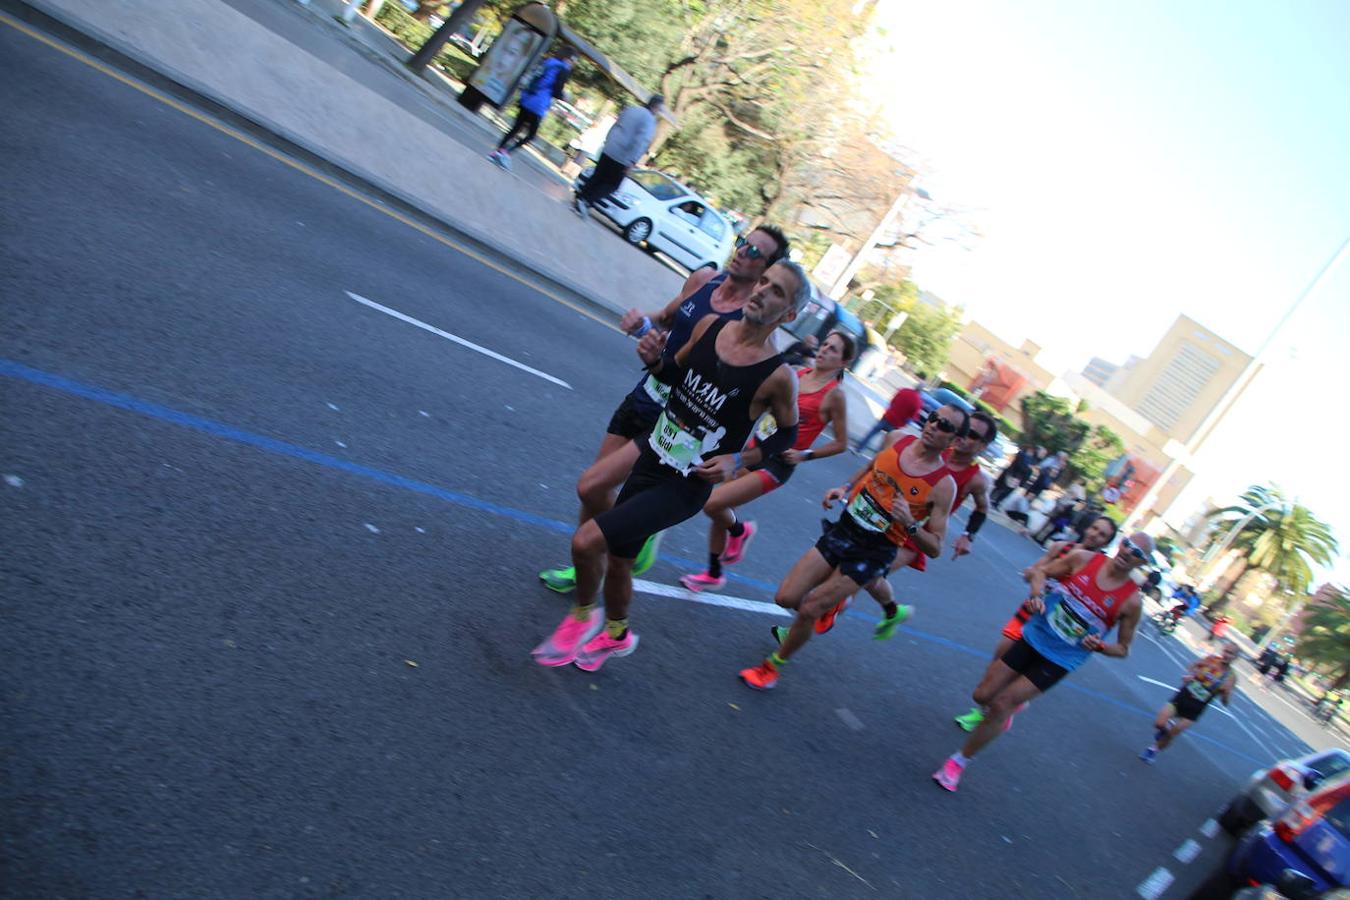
<point x="1187" y="851"/>
<point x="1152" y="887"/>
<point x="1209" y="828"/>
<point x="849" y="719"/>
<point x="417" y="323"/>
<point x="679" y="593"/>
<point x="14" y="481"/>
<point x="372" y="529"/>
<point x="333" y="407"/>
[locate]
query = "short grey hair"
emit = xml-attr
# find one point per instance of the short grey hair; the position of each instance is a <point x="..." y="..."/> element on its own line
<point x="803" y="294"/>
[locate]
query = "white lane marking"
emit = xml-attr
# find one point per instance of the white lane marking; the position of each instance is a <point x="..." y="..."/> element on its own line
<point x="419" y="529"/>
<point x="1187" y="851"/>
<point x="372" y="529"/>
<point x="679" y="593"/>
<point x="456" y="339"/>
<point x="1152" y="887"/>
<point x="1170" y="687"/>
<point x="333" y="407"/>
<point x="849" y="719"/>
<point x="1209" y="828"/>
<point x="340" y="444"/>
<point x="423" y="412"/>
<point x="14" y="481"/>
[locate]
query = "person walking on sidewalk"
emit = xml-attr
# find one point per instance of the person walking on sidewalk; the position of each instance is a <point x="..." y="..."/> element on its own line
<point x="625" y="144"/>
<point x="904" y="406"/>
<point x="1016" y="472"/>
<point x="535" y="102"/>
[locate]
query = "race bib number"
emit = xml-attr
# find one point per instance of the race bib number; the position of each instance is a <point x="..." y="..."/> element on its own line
<point x="657" y="390"/>
<point x="1199" y="690"/>
<point x="867" y="513"/>
<point x="1067" y="623"/>
<point x="766" y="426"/>
<point x="675" y="446"/>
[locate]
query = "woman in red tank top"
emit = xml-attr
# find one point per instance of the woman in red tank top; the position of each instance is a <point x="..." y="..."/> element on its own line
<point x="819" y="403"/>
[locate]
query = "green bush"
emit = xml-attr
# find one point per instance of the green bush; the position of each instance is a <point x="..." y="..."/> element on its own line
<point x="413" y="34"/>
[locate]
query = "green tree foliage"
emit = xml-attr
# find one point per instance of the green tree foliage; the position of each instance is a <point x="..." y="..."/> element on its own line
<point x="1088" y="461"/>
<point x="1326" y="636"/>
<point x="926" y="336"/>
<point x="1049" y="421"/>
<point x="1280" y="537"/>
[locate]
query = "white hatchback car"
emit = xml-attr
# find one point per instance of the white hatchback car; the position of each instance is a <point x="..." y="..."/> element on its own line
<point x="651" y="207"/>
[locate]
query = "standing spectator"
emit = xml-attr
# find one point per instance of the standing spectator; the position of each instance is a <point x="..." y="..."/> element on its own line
<point x="1050" y="470"/>
<point x="625" y="144"/>
<point x="535" y="102"/>
<point x="1016" y="472"/>
<point x="905" y="405"/>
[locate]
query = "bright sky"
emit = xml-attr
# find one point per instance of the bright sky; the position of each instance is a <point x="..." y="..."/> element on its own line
<point x="1134" y="161"/>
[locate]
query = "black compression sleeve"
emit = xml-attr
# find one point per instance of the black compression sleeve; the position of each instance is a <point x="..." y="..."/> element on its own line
<point x="780" y="440"/>
<point x="973" y="524"/>
<point x="670" y="372"/>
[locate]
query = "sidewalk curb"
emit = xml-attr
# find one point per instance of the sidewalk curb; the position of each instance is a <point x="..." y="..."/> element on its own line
<point x="107" y="49"/>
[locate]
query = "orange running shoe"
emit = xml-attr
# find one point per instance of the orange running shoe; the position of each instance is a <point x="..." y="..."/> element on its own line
<point x="760" y="677"/>
<point x="826" y="622"/>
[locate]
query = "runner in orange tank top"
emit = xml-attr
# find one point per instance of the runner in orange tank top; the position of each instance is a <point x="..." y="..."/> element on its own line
<point x="970" y="482"/>
<point x="819" y="404"/>
<point x="903" y="496"/>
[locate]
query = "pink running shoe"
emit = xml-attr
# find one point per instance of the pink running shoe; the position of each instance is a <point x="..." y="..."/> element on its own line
<point x="562" y="646"/>
<point x="736" y="546"/>
<point x="949" y="776"/>
<point x="601" y="647"/>
<point x="702" y="582"/>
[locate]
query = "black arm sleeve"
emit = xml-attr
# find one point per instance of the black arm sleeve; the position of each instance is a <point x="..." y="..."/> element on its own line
<point x="560" y="82"/>
<point x="973" y="524"/>
<point x="670" y="373"/>
<point x="780" y="440"/>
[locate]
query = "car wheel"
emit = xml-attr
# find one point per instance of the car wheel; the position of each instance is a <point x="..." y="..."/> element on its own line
<point x="1236" y="816"/>
<point x="638" y="231"/>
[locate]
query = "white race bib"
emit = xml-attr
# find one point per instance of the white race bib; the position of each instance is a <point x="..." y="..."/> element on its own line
<point x="675" y="446"/>
<point x="1199" y="691"/>
<point x="865" y="511"/>
<point x="1065" y="622"/>
<point x="657" y="390"/>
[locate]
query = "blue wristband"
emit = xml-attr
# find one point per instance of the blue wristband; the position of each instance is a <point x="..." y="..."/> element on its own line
<point x="736" y="457"/>
<point x="645" y="327"/>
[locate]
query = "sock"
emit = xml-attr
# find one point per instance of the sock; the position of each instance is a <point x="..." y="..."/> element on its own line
<point x="616" y="628"/>
<point x="581" y="613"/>
<point x="960" y="759"/>
<point x="736" y="529"/>
<point x="891" y="610"/>
<point x="776" y="661"/>
<point x="715" y="565"/>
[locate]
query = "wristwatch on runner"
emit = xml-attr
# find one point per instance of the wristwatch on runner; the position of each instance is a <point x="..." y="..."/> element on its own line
<point x="912" y="528"/>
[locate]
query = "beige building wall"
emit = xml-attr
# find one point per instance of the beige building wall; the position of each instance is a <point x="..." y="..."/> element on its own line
<point x="976" y="344"/>
<point x="1185" y="376"/>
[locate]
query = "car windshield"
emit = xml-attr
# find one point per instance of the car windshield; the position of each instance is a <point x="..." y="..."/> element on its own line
<point x="656" y="184"/>
<point x="1330" y="765"/>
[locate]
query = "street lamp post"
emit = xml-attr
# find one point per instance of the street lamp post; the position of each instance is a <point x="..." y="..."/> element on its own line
<point x="1234" y="391"/>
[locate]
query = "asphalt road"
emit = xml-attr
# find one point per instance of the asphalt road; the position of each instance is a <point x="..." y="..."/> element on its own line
<point x="269" y="588"/>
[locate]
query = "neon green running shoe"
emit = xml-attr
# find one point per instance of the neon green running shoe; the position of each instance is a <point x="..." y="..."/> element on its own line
<point x="971" y="720"/>
<point x="887" y="626"/>
<point x="646" y="557"/>
<point x="561" y="580"/>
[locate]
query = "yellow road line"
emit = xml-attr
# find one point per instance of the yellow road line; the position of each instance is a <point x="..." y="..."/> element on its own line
<point x="296" y="165"/>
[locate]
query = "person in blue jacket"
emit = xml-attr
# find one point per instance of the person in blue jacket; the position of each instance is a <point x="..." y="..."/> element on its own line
<point x="536" y="98"/>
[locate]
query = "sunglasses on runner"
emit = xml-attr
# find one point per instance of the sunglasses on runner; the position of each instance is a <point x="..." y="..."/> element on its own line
<point x="1132" y="548"/>
<point x="942" y="424"/>
<point x="751" y="251"/>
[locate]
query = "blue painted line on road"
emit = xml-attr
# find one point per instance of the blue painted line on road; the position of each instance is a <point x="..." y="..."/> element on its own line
<point x="21" y="372"/>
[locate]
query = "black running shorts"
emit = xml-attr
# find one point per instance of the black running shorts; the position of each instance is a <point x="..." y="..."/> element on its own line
<point x="774" y="472"/>
<point x="634" y="418"/>
<point x="655" y="497"/>
<point x="856" y="552"/>
<point x="1187" y="707"/>
<point x="1027" y="661"/>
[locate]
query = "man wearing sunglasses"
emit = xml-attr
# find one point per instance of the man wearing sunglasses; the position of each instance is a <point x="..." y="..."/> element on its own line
<point x="1075" y="602"/>
<point x="722" y="294"/>
<point x="970" y="481"/>
<point x="898" y="506"/>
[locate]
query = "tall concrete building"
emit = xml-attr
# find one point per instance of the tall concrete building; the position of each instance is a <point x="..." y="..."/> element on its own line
<point x="1185" y="376"/>
<point x="1099" y="371"/>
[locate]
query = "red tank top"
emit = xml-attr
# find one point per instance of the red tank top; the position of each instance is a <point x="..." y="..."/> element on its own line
<point x="809" y="423"/>
<point x="962" y="477"/>
<point x="1105" y="604"/>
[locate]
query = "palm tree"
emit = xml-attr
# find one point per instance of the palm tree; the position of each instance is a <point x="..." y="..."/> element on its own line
<point x="1280" y="537"/>
<point x="1326" y="635"/>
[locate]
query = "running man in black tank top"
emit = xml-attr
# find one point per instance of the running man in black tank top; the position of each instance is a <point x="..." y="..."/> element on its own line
<point x="726" y="377"/>
<point x="723" y="294"/>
